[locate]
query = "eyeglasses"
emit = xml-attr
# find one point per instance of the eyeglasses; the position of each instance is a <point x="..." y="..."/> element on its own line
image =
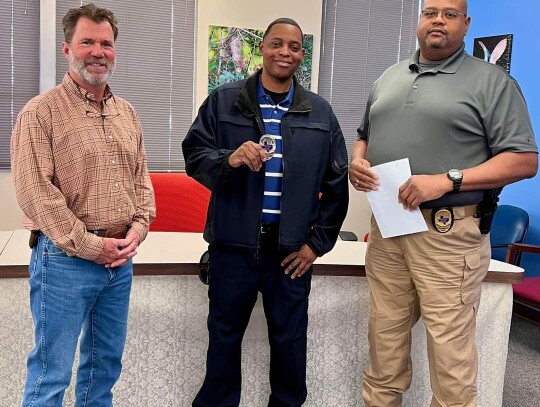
<point x="90" y="112"/>
<point x="431" y="13"/>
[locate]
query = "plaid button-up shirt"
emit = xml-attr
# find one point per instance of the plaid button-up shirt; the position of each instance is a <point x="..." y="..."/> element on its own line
<point x="80" y="165"/>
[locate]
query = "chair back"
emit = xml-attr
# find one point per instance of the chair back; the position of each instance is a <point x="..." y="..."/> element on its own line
<point x="510" y="225"/>
<point x="181" y="203"/>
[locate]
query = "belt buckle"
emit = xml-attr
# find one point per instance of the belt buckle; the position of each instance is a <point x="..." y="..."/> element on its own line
<point x="268" y="228"/>
<point x="442" y="219"/>
<point x="117" y="232"/>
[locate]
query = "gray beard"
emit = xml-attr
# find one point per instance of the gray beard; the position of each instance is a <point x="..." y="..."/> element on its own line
<point x="79" y="66"/>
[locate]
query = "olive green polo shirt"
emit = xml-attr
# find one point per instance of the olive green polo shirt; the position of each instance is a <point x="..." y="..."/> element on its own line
<point x="456" y="115"/>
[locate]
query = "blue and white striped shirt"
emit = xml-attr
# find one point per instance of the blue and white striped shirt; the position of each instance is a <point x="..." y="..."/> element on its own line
<point x="273" y="177"/>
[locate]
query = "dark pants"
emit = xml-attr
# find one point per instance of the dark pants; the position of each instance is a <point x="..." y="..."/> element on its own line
<point x="237" y="275"/>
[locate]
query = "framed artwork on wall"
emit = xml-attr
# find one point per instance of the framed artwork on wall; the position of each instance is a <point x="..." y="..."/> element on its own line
<point x="496" y="49"/>
<point x="233" y="54"/>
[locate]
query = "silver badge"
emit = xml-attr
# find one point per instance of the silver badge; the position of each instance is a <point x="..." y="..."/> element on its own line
<point x="268" y="143"/>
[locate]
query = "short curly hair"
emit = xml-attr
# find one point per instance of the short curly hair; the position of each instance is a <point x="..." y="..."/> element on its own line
<point x="283" y="20"/>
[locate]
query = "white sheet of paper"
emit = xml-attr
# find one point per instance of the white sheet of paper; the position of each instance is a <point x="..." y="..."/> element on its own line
<point x="392" y="218"/>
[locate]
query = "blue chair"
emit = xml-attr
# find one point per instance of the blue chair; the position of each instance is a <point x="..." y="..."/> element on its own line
<point x="510" y="225"/>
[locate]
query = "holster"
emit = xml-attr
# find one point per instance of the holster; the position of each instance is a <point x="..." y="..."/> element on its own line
<point x="487" y="209"/>
<point x="34" y="235"/>
<point x="204" y="268"/>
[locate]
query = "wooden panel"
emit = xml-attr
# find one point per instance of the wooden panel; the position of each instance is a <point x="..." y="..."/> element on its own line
<point x="183" y="269"/>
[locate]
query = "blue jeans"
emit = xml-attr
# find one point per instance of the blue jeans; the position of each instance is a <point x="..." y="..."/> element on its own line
<point x="68" y="294"/>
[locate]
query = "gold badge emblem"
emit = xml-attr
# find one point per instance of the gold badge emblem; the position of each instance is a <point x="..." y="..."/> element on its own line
<point x="268" y="143"/>
<point x="442" y="219"/>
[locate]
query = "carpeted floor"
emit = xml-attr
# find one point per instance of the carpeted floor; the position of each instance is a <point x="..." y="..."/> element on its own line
<point x="522" y="379"/>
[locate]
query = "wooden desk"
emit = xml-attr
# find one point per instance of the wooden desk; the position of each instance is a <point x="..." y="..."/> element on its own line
<point x="170" y="253"/>
<point x="4" y="238"/>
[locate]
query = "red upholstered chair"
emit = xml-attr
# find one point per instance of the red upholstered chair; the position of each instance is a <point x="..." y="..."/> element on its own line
<point x="527" y="293"/>
<point x="181" y="203"/>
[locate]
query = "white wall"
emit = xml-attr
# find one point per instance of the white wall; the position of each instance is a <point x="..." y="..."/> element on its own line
<point x="10" y="214"/>
<point x="358" y="218"/>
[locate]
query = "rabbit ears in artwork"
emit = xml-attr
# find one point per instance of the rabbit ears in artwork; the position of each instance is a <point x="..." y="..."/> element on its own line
<point x="497" y="52"/>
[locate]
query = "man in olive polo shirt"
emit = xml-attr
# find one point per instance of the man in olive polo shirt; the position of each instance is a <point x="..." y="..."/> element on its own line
<point x="464" y="126"/>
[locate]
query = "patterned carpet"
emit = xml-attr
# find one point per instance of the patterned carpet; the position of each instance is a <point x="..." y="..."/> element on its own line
<point x="522" y="380"/>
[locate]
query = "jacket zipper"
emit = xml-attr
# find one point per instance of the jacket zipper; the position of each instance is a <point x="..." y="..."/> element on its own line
<point x="282" y="178"/>
<point x="257" y="250"/>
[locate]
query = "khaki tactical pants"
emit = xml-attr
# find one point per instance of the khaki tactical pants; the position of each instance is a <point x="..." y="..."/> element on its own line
<point x="436" y="276"/>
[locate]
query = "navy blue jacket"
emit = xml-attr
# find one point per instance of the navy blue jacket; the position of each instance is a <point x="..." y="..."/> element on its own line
<point x="315" y="193"/>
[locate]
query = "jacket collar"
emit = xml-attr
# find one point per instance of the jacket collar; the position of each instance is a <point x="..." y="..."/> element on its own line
<point x="451" y="65"/>
<point x="248" y="105"/>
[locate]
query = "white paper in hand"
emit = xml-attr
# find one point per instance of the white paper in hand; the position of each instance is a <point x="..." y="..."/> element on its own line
<point x="392" y="218"/>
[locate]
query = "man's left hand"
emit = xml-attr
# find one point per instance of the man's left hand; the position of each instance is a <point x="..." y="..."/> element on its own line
<point x="128" y="251"/>
<point x="422" y="188"/>
<point x="299" y="262"/>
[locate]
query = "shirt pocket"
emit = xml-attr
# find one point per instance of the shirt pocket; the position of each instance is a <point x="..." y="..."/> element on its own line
<point x="233" y="131"/>
<point x="305" y="146"/>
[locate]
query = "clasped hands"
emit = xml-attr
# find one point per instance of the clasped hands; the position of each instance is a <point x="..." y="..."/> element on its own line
<point x="117" y="252"/>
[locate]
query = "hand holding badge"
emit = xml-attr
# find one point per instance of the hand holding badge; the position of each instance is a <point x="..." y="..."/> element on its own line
<point x="268" y="143"/>
<point x="250" y="153"/>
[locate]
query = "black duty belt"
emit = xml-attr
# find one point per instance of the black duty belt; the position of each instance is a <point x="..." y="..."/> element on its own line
<point x="462" y="198"/>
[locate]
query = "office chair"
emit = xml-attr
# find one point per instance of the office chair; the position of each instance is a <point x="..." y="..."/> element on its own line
<point x="508" y="233"/>
<point x="181" y="203"/>
<point x="510" y="225"/>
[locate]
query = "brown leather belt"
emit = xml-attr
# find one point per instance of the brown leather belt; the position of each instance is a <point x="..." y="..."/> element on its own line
<point x="116" y="232"/>
<point x="470" y="210"/>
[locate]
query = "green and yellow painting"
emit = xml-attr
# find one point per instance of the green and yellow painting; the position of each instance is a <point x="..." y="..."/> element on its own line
<point x="233" y="54"/>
